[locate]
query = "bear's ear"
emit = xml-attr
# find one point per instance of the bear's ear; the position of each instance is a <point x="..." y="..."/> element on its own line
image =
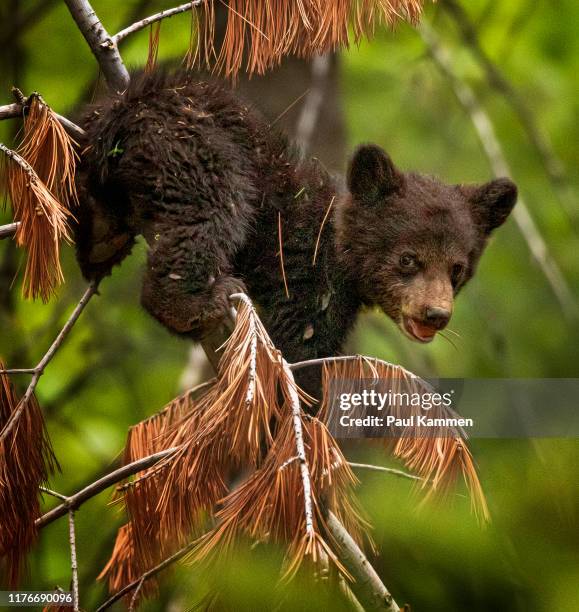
<point x="491" y="203"/>
<point x="372" y="175"/>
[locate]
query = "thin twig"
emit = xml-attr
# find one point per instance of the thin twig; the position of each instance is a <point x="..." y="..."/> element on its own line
<point x="381" y="468"/>
<point x="101" y="44"/>
<point x="53" y="493"/>
<point x="39" y="369"/>
<point x="73" y="561"/>
<point x="349" y="595"/>
<point x="491" y="145"/>
<point x="11" y="111"/>
<point x="298" y="430"/>
<point x="143" y="23"/>
<point x="78" y="498"/>
<point x="136" y="594"/>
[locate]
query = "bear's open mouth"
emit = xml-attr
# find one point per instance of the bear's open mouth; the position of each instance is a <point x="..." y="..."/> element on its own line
<point x="417" y="330"/>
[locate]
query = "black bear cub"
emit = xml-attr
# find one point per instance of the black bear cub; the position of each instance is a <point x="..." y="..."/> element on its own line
<point x="221" y="198"/>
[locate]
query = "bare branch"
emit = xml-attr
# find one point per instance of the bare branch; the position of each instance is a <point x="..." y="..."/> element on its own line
<point x="491" y="145"/>
<point x="143" y="23"/>
<point x="298" y="365"/>
<point x="368" y="587"/>
<point x="11" y="111"/>
<point x="39" y="369"/>
<point x="78" y="498"/>
<point x="101" y="44"/>
<point x="8" y="231"/>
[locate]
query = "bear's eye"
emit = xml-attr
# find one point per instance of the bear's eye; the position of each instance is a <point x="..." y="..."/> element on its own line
<point x="408" y="262"/>
<point x="456" y="274"/>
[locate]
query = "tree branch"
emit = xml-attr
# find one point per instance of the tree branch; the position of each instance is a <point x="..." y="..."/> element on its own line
<point x="78" y="498"/>
<point x="491" y="145"/>
<point x="39" y="369"/>
<point x="143" y="23"/>
<point x="101" y="44"/>
<point x="368" y="587"/>
<point x="8" y="231"/>
<point x="19" y="160"/>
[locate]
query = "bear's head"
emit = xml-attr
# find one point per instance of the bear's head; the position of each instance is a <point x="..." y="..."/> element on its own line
<point x="411" y="242"/>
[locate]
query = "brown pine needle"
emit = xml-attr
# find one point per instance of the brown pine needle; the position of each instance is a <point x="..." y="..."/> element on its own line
<point x="289" y="107"/>
<point x="322" y="229"/>
<point x="153" y="52"/>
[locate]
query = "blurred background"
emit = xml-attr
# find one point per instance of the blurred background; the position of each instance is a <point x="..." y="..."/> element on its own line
<point x="516" y="318"/>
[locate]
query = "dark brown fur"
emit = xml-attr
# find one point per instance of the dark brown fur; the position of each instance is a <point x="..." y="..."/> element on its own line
<point x="205" y="179"/>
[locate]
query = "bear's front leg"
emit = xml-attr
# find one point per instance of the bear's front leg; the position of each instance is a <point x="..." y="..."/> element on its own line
<point x="187" y="282"/>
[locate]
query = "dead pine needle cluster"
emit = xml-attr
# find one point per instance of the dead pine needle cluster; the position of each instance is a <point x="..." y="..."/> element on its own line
<point x="258" y="35"/>
<point x="437" y="455"/>
<point x="249" y="462"/>
<point x="39" y="180"/>
<point x="26" y="461"/>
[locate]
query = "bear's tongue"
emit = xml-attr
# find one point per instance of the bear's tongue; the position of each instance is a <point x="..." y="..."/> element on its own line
<point x="424" y="332"/>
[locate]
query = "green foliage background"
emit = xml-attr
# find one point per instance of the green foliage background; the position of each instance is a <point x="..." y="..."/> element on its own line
<point x="119" y="366"/>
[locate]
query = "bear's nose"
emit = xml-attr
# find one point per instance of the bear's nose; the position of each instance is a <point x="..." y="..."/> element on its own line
<point x="437" y="317"/>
